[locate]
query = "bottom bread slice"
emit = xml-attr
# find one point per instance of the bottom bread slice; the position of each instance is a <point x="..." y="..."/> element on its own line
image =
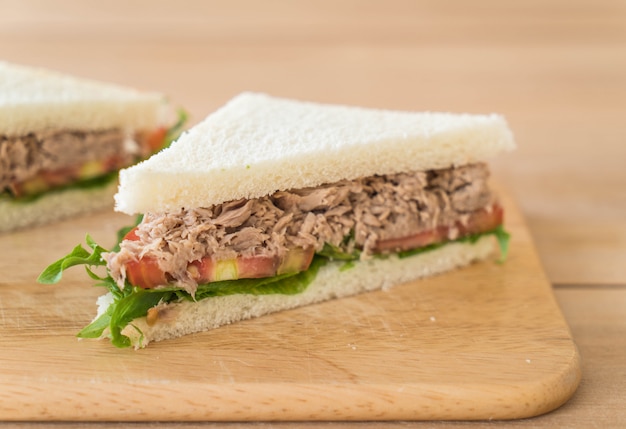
<point x="182" y="318"/>
<point x="55" y="206"/>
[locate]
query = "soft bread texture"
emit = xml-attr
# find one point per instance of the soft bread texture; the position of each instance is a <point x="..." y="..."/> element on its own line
<point x="184" y="318"/>
<point x="33" y="99"/>
<point x="55" y="206"/>
<point x="256" y="145"/>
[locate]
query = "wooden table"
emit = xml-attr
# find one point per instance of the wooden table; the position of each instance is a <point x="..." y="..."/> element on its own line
<point x="556" y="69"/>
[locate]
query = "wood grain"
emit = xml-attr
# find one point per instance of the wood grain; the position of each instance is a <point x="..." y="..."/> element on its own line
<point x="486" y="342"/>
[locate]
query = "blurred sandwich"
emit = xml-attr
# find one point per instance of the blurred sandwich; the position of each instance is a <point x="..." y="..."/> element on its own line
<point x="63" y="140"/>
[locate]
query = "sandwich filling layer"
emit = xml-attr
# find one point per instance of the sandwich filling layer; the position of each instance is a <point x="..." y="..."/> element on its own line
<point x="280" y="233"/>
<point x="33" y="163"/>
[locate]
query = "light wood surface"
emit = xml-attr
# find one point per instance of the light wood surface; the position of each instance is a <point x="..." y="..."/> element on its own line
<point x="556" y="69"/>
<point x="486" y="342"/>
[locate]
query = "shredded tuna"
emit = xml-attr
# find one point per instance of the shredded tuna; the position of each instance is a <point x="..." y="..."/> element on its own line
<point x="368" y="210"/>
<point x="23" y="157"/>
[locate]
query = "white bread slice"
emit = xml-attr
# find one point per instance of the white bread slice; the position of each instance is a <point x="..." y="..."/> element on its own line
<point x="55" y="206"/>
<point x="34" y="99"/>
<point x="257" y="144"/>
<point x="184" y="318"/>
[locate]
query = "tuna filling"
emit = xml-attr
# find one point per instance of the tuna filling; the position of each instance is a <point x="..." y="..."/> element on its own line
<point x="371" y="215"/>
<point x="38" y="161"/>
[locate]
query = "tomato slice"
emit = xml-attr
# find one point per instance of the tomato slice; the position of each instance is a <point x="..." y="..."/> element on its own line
<point x="256" y="267"/>
<point x="45" y="180"/>
<point x="132" y="235"/>
<point x="480" y="221"/>
<point x="156" y="139"/>
<point x="484" y="220"/>
<point x="208" y="270"/>
<point x="145" y="273"/>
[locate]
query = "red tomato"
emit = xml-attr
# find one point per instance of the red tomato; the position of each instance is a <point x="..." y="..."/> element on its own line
<point x="480" y="221"/>
<point x="201" y="270"/>
<point x="254" y="267"/>
<point x="155" y="140"/>
<point x="49" y="179"/>
<point x="131" y="235"/>
<point x="207" y="270"/>
<point x="411" y="242"/>
<point x="145" y="273"/>
<point x="485" y="220"/>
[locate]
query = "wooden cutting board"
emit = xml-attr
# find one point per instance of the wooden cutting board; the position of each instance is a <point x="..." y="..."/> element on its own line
<point x="485" y="342"/>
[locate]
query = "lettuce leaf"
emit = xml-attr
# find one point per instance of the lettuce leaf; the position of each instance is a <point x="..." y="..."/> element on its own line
<point x="78" y="256"/>
<point x="131" y="307"/>
<point x="97" y="327"/>
<point x="504" y="239"/>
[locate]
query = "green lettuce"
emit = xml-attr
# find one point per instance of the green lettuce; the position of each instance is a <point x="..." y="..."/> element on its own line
<point x="78" y="256"/>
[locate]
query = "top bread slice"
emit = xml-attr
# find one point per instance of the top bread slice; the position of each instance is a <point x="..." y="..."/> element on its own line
<point x="33" y="99"/>
<point x="257" y="144"/>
